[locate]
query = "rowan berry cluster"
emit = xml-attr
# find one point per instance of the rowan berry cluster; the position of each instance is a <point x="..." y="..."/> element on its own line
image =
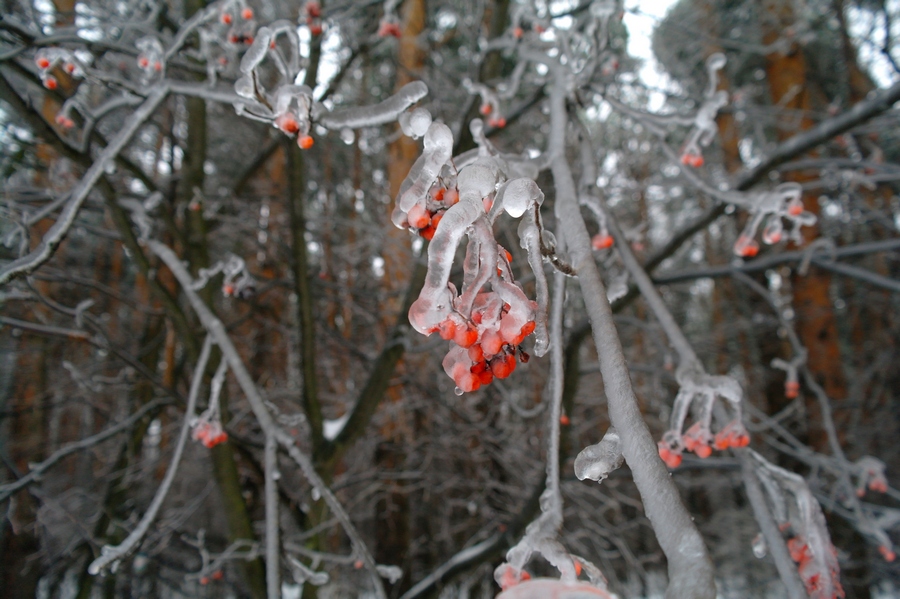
<point x="48" y="59"/>
<point x="424" y="219"/>
<point x="783" y="202"/>
<point x="699" y="440"/>
<point x="209" y="432"/>
<point x="811" y="574"/>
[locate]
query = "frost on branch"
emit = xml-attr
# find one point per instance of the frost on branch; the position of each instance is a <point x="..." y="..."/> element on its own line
<point x="490" y="318"/>
<point x="800" y="518"/>
<point x="700" y="390"/>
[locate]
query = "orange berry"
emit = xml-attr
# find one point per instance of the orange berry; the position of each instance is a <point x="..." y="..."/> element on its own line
<point x="671" y="458"/>
<point x="287" y="123"/>
<point x="247" y="14"/>
<point x="204" y="580"/>
<point x="476" y="353"/>
<point x="436" y="219"/>
<point x="305" y="142"/>
<point x="51" y="83"/>
<point x="517" y="32"/>
<point x="564" y="420"/>
<point x="43" y="63"/>
<point x="791" y="389"/>
<point x="226" y="18"/>
<point x="427" y="233"/>
<point x="795" y="208"/>
<point x="601" y="242"/>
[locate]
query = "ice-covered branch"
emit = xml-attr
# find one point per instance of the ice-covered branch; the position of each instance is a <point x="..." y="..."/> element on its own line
<point x="111" y="555"/>
<point x="217" y="331"/>
<point x="36" y="470"/>
<point x="79" y="194"/>
<point x="690" y="569"/>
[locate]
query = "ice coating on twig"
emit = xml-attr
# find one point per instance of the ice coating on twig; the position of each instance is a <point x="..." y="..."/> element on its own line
<point x="415" y="124"/>
<point x="547" y="588"/>
<point x="597" y="461"/>
<point x="699" y="389"/>
<point x="792" y="384"/>
<point x="490" y="103"/>
<point x="151" y="58"/>
<point x="207" y="427"/>
<point x="705" y="127"/>
<point x="870" y="473"/>
<point x="489" y="318"/>
<point x="799" y="516"/>
<point x="303" y="573"/>
<point x="377" y="114"/>
<point x="782" y="202"/>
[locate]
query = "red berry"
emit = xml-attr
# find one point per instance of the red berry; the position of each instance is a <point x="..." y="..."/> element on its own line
<point x="226" y="18"/>
<point x="305" y="142"/>
<point x="671" y="458"/>
<point x="795" y="208"/>
<point x="601" y="242"/>
<point x="427" y="233"/>
<point x="476" y="353"/>
<point x="43" y="63"/>
<point x="791" y="389"/>
<point x="564" y="420"/>
<point x="217" y="575"/>
<point x="465" y="336"/>
<point x="485" y="109"/>
<point x="247" y="14"/>
<point x="315" y="30"/>
<point x="287" y="123"/>
<point x="313" y="9"/>
<point x="51" y="83"/>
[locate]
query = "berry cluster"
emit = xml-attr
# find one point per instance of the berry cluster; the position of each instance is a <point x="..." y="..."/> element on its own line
<point x="209" y="431"/>
<point x="48" y="59"/>
<point x="810" y="571"/>
<point x="783" y="202"/>
<point x="699" y="440"/>
<point x="313" y="12"/>
<point x="486" y="345"/>
<point x="424" y="220"/>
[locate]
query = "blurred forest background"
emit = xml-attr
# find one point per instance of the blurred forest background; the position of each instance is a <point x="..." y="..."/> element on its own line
<point x="102" y="332"/>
